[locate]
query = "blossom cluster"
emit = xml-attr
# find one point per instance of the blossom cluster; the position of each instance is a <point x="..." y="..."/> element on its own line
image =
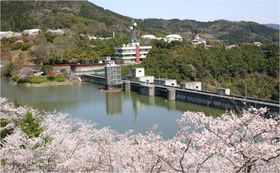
<point x="231" y="142"/>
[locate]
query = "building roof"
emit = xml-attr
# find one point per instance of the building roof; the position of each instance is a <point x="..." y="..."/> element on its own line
<point x="56" y="31"/>
<point x="174" y="36"/>
<point x="149" y="36"/>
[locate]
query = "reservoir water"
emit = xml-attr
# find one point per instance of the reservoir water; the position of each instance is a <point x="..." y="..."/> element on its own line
<point x="121" y="111"/>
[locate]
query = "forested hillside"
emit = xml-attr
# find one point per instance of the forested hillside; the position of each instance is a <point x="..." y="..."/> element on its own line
<point x="83" y="16"/>
<point x="245" y="69"/>
<point x="225" y="31"/>
<point x="79" y="16"/>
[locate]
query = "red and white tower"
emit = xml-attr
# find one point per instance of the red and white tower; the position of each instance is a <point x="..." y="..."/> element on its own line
<point x="134" y="41"/>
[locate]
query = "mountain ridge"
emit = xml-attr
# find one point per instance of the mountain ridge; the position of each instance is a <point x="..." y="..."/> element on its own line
<point x="86" y="17"/>
<point x="273" y="26"/>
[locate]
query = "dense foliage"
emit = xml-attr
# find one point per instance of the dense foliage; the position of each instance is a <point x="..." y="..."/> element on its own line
<point x="51" y="142"/>
<point x="85" y="17"/>
<point x="246" y="70"/>
<point x="79" y="16"/>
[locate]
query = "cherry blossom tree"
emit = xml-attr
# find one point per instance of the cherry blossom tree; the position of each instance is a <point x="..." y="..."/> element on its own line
<point x="246" y="142"/>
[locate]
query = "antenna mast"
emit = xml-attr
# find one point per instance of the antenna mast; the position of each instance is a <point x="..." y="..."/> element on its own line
<point x="133" y="28"/>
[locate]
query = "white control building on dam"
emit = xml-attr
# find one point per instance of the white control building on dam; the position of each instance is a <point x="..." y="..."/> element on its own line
<point x="132" y="52"/>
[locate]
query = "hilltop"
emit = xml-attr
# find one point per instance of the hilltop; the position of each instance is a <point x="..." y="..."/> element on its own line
<point x="274" y="26"/>
<point x="85" y="17"/>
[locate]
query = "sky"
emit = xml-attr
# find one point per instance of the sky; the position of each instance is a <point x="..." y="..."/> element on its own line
<point x="260" y="11"/>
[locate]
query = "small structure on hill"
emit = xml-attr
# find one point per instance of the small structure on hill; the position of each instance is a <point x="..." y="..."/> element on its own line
<point x="27" y="71"/>
<point x="31" y="32"/>
<point x="9" y="34"/>
<point x="198" y="40"/>
<point x="56" y="31"/>
<point x="173" y="37"/>
<point x="149" y="36"/>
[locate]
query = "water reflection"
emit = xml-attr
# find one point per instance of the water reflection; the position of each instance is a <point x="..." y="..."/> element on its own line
<point x="113" y="103"/>
<point x="121" y="111"/>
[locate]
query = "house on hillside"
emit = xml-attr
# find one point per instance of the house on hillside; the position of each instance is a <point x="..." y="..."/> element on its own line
<point x="27" y="71"/>
<point x="173" y="37"/>
<point x="9" y="34"/>
<point x="199" y="40"/>
<point x="56" y="31"/>
<point x="31" y="32"/>
<point x="257" y="43"/>
<point x="149" y="36"/>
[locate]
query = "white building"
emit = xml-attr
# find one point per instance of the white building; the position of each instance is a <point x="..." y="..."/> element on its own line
<point x="166" y="82"/>
<point x="146" y="79"/>
<point x="173" y="37"/>
<point x="149" y="36"/>
<point x="198" y="40"/>
<point x="9" y="34"/>
<point x="127" y="53"/>
<point x="56" y="31"/>
<point x="191" y="85"/>
<point x="31" y="32"/>
<point x="138" y="72"/>
<point x="231" y="46"/>
<point x="223" y="91"/>
<point x="257" y="43"/>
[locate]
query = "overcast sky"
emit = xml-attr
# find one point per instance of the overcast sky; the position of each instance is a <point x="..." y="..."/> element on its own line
<point x="261" y="11"/>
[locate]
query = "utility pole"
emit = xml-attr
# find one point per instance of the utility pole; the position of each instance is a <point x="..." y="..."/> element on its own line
<point x="245" y="89"/>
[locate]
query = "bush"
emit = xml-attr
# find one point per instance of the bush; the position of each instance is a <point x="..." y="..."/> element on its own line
<point x="30" y="125"/>
<point x="37" y="79"/>
<point x="16" y="46"/>
<point x="51" y="78"/>
<point x="60" y="78"/>
<point x="25" y="46"/>
<point x="22" y="80"/>
<point x="22" y="46"/>
<point x="46" y="68"/>
<point x="9" y="68"/>
<point x="15" y="78"/>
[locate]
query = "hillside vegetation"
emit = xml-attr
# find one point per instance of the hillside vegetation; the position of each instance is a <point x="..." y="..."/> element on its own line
<point x="245" y="69"/>
<point x="83" y="16"/>
<point x="79" y="16"/>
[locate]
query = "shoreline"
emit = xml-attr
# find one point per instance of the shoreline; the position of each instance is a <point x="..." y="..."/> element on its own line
<point x="45" y="84"/>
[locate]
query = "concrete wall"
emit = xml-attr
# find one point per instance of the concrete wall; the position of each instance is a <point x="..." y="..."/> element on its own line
<point x="85" y="68"/>
<point x="60" y="68"/>
<point x="92" y="79"/>
<point x="147" y="90"/>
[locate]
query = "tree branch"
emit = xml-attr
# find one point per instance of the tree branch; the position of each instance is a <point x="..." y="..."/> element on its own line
<point x="200" y="164"/>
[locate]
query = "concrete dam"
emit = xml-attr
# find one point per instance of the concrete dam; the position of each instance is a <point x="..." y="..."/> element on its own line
<point x="209" y="99"/>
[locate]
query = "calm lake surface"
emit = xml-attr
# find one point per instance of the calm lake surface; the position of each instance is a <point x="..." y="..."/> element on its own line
<point x="121" y="111"/>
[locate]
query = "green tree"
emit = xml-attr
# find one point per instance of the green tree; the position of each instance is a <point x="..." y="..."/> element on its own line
<point x="30" y="125"/>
